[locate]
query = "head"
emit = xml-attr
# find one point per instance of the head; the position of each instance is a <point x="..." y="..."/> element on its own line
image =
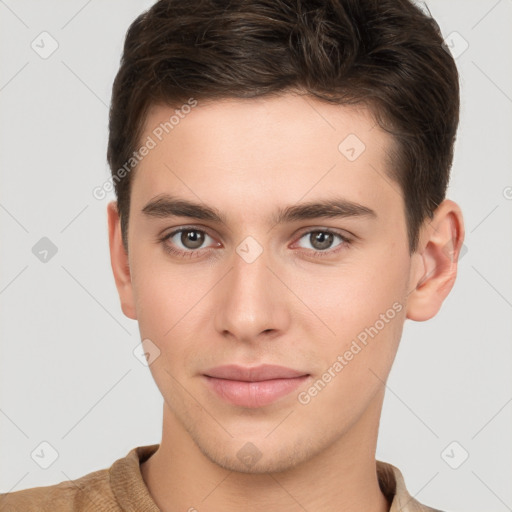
<point x="259" y="111"/>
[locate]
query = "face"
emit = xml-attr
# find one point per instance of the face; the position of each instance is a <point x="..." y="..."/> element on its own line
<point x="261" y="279"/>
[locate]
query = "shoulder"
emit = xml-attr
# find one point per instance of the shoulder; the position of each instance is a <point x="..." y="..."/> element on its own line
<point x="91" y="492"/>
<point x="108" y="490"/>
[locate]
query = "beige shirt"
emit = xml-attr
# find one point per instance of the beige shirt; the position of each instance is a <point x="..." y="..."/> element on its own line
<point x="121" y="488"/>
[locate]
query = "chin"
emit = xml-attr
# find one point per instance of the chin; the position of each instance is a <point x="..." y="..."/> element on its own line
<point x="258" y="457"/>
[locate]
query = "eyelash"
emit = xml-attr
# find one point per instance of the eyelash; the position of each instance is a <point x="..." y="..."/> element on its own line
<point x="346" y="242"/>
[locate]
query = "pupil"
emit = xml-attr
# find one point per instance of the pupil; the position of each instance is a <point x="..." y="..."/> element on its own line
<point x="192" y="237"/>
<point x="324" y="239"/>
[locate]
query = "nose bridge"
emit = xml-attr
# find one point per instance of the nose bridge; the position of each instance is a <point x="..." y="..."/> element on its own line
<point x="249" y="304"/>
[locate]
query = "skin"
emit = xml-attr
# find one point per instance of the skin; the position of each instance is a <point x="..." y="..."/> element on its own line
<point x="247" y="158"/>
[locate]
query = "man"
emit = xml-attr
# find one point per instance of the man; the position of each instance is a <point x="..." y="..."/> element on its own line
<point x="280" y="170"/>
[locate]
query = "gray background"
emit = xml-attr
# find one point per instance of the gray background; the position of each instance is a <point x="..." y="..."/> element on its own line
<point x="68" y="373"/>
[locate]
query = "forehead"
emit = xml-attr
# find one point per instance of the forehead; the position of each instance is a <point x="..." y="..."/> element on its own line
<point x="266" y="122"/>
<point x="279" y="149"/>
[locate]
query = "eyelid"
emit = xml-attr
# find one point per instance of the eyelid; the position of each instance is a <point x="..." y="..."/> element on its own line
<point x="186" y="227"/>
<point x="180" y="229"/>
<point x="342" y="233"/>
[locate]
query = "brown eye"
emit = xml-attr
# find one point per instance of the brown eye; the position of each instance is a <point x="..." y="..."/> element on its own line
<point x="322" y="240"/>
<point x="186" y="240"/>
<point x="192" y="238"/>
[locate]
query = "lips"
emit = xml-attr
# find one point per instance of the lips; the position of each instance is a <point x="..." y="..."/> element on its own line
<point x="253" y="387"/>
<point x="254" y="374"/>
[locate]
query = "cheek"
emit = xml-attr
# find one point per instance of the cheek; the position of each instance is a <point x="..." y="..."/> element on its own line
<point x="365" y="302"/>
<point x="163" y="291"/>
<point x="367" y="320"/>
<point x="172" y="311"/>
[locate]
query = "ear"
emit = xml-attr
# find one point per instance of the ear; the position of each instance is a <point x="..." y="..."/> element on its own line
<point x="120" y="263"/>
<point x="434" y="267"/>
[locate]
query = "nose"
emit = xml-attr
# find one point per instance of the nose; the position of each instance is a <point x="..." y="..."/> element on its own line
<point x="252" y="301"/>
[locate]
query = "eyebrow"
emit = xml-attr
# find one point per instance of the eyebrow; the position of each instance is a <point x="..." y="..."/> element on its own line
<point x="165" y="205"/>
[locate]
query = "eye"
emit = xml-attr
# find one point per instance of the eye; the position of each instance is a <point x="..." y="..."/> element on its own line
<point x="321" y="241"/>
<point x="191" y="238"/>
<point x="185" y="241"/>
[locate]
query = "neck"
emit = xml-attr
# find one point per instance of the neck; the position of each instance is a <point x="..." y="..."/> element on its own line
<point x="340" y="478"/>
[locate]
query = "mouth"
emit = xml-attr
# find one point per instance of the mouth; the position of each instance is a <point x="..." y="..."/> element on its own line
<point x="253" y="387"/>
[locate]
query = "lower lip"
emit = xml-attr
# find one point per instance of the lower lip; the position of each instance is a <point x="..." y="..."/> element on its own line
<point x="254" y="394"/>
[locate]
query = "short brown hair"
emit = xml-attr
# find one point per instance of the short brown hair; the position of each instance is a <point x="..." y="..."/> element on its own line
<point x="386" y="54"/>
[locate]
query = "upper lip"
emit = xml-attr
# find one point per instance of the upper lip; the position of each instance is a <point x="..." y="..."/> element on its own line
<point x="254" y="373"/>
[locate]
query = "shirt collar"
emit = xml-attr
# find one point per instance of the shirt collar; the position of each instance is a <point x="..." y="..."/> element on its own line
<point x="133" y="495"/>
<point x="392" y="485"/>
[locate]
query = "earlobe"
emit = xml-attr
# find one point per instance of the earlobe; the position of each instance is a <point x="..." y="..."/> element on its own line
<point x="434" y="266"/>
<point x="120" y="263"/>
